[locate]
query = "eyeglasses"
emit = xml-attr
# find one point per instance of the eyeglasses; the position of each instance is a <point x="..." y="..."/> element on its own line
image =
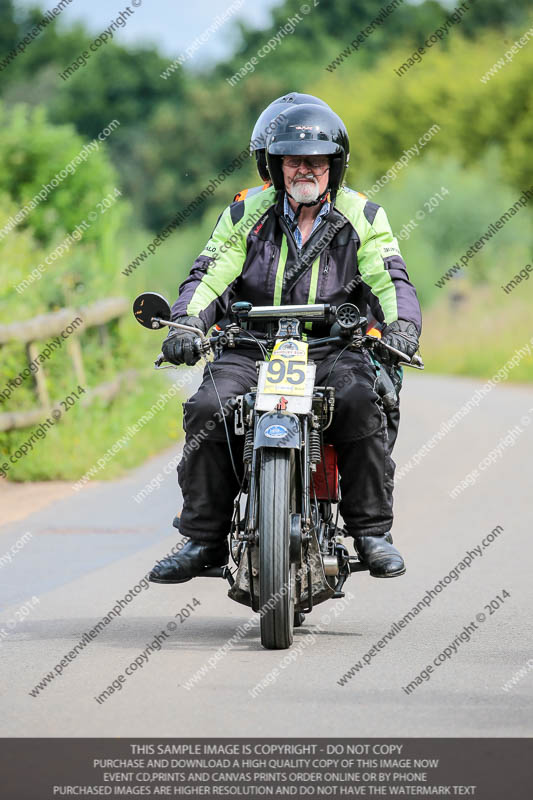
<point x="314" y="163"/>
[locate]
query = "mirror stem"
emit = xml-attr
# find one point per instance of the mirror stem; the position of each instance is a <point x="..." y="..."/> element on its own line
<point x="178" y="326"/>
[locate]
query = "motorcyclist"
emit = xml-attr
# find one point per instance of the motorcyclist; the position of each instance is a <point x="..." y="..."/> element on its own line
<point x="260" y="133"/>
<point x="389" y="375"/>
<point x="306" y="239"/>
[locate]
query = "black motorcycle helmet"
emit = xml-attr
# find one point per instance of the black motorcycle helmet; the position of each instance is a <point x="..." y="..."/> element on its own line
<point x="264" y="125"/>
<point x="309" y="130"/>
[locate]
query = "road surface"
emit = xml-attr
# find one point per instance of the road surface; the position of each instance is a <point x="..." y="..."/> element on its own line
<point x="90" y="548"/>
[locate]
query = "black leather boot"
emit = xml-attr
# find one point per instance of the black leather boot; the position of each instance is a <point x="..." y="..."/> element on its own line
<point x="377" y="552"/>
<point x="190" y="562"/>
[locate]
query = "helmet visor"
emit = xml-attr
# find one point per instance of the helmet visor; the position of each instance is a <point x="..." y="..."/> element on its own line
<point x="295" y="145"/>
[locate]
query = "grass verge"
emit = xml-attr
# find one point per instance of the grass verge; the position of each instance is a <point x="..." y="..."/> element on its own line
<point x="84" y="435"/>
<point x="476" y="335"/>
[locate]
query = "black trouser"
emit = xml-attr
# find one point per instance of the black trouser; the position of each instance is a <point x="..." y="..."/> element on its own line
<point x="359" y="432"/>
<point x="393" y="415"/>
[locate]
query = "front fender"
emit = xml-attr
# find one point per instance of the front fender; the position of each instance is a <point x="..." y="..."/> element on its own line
<point x="278" y="429"/>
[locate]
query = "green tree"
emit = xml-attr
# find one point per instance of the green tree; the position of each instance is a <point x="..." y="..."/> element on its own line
<point x="445" y="89"/>
<point x="33" y="153"/>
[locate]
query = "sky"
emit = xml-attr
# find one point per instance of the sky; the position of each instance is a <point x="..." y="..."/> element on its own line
<point x="171" y="24"/>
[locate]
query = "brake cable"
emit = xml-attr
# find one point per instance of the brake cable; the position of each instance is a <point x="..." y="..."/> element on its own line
<point x="208" y="365"/>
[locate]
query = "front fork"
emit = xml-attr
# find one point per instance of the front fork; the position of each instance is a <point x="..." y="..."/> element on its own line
<point x="300" y="522"/>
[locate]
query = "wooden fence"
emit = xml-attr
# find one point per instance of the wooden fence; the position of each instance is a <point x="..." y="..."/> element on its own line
<point x="40" y="328"/>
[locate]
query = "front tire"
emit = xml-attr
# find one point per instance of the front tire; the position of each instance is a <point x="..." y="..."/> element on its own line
<point x="276" y="577"/>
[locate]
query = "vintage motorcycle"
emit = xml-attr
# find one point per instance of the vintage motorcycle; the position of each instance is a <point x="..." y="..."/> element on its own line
<point x="284" y="534"/>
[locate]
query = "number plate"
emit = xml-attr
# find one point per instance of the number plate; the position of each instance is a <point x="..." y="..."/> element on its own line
<point x="293" y="403"/>
<point x="286" y="371"/>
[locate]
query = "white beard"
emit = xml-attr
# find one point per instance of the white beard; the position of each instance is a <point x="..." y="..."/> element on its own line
<point x="305" y="192"/>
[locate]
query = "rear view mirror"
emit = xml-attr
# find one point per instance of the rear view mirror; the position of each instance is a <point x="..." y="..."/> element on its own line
<point x="149" y="307"/>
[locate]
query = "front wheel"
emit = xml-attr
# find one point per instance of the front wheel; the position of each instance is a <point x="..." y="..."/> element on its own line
<point x="276" y="577"/>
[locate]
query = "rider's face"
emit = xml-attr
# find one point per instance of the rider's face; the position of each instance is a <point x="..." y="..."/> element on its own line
<point x="308" y="179"/>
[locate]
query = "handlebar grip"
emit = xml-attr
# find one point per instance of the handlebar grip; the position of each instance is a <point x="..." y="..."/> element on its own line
<point x="197" y="346"/>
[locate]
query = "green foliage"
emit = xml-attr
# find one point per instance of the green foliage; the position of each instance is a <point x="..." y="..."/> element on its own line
<point x="169" y="265"/>
<point x="444" y="89"/>
<point x="477" y="332"/>
<point x="177" y="134"/>
<point x="123" y="83"/>
<point x="194" y="148"/>
<point x="9" y="28"/>
<point x="87" y="271"/>
<point x="84" y="435"/>
<point x="33" y="153"/>
<point x="433" y="236"/>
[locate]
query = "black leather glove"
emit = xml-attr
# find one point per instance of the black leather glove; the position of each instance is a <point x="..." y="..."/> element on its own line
<point x="179" y="346"/>
<point x="403" y="336"/>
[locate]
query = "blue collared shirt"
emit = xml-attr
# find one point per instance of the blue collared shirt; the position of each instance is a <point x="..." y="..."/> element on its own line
<point x="289" y="214"/>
